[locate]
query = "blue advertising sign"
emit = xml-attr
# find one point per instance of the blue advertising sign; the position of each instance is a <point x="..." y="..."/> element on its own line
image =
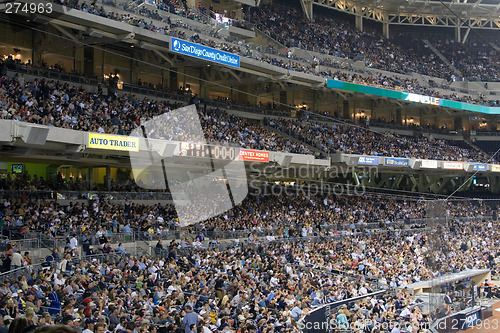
<point x="397" y="162"/>
<point x="480" y="167"/>
<point x="368" y="160"/>
<point x="204" y="52"/>
<point x="471" y="319"/>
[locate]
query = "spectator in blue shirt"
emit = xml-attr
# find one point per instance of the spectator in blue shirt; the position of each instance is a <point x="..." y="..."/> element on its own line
<point x="190" y="318"/>
<point x="55" y="304"/>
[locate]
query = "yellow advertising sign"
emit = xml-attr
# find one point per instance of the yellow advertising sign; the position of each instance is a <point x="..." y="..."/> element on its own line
<point x="113" y="142"/>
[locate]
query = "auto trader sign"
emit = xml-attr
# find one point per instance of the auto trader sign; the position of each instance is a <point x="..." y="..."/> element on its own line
<point x="204" y="52"/>
<point x="113" y="142"/>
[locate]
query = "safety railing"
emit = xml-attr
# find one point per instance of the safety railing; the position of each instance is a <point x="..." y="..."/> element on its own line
<point x="23" y="244"/>
<point x="22" y="271"/>
<point x="86" y="195"/>
<point x="34" y="240"/>
<point x="53" y="74"/>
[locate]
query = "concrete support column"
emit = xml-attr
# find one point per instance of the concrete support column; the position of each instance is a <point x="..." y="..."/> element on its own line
<point x="385" y="30"/>
<point x="359" y="23"/>
<point x="91" y="178"/>
<point x="108" y="178"/>
<point x="173" y="83"/>
<point x="494" y="184"/>
<point x="345" y="110"/>
<point x="284" y="97"/>
<point x="458" y="124"/>
<point x="399" y="117"/>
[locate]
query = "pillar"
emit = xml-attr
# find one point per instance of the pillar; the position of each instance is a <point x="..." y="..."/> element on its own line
<point x="283" y="97"/>
<point x="345" y="110"/>
<point x="91" y="178"/>
<point x="359" y="22"/>
<point x="399" y="118"/>
<point x="457" y="124"/>
<point x="307" y="7"/>
<point x="88" y="65"/>
<point x="458" y="34"/>
<point x="103" y="60"/>
<point x="173" y="80"/>
<point x="385" y="29"/>
<point x="108" y="178"/>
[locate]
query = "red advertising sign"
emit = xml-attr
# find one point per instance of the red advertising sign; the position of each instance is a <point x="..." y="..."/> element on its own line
<point x="254" y="155"/>
<point x="453" y="165"/>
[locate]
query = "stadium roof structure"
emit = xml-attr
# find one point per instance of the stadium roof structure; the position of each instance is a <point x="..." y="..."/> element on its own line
<point x="479" y="14"/>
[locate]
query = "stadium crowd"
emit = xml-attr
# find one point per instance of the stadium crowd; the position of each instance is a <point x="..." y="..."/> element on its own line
<point x="264" y="286"/>
<point x="476" y="59"/>
<point x="333" y="138"/>
<point x="270" y="213"/>
<point x="276" y="215"/>
<point x="55" y="104"/>
<point x="59" y="104"/>
<point x="383" y="54"/>
<point x="331" y="36"/>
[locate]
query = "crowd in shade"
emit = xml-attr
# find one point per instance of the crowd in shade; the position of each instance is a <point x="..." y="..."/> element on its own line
<point x="325" y="35"/>
<point x="259" y="287"/>
<point x="334" y="37"/>
<point x="475" y="59"/>
<point x="333" y="138"/>
<point x="59" y="104"/>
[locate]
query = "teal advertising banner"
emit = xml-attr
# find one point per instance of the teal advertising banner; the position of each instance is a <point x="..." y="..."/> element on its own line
<point x="352" y="87"/>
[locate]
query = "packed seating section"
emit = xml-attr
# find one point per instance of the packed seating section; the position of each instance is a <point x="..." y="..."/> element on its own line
<point x="331" y="36"/>
<point x="52" y="103"/>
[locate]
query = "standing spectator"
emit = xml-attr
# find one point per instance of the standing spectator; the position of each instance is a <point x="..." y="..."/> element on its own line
<point x="448" y="299"/>
<point x="16" y="261"/>
<point x="190" y="318"/>
<point x="55" y="305"/>
<point x="27" y="259"/>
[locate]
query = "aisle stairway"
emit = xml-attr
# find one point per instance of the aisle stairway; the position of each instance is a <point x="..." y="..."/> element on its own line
<point x="442" y="57"/>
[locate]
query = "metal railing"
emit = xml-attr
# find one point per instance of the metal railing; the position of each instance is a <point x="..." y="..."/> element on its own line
<point x="34" y="240"/>
<point x="22" y="244"/>
<point x="18" y="272"/>
<point x="54" y="74"/>
<point x="86" y="195"/>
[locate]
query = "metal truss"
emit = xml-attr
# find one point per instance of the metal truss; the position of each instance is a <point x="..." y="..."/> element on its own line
<point x="437" y="21"/>
<point x="421" y="13"/>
